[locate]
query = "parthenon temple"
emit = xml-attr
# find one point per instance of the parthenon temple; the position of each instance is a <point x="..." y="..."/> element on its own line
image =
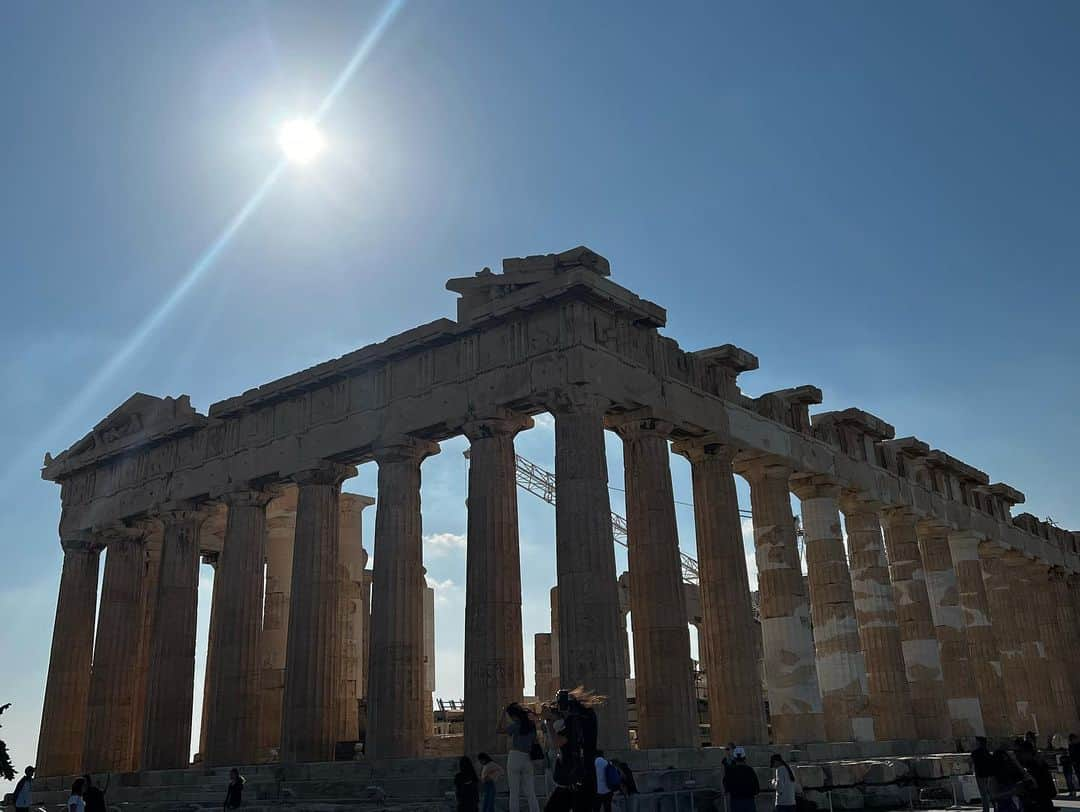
<point x="930" y="610"/>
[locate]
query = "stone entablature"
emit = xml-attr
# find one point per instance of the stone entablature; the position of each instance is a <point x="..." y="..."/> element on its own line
<point x="547" y="325"/>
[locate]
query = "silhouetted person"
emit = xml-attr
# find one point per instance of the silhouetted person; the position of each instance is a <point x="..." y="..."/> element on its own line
<point x="1039" y="798"/>
<point x="94" y="797"/>
<point x="982" y="764"/>
<point x="23" y="796"/>
<point x="567" y="773"/>
<point x="1008" y="778"/>
<point x="741" y="783"/>
<point x="467" y="786"/>
<point x="234" y="795"/>
<point x="75" y="801"/>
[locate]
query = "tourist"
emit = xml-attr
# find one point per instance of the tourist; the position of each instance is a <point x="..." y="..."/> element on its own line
<point x="608" y="780"/>
<point x="982" y="764"/>
<point x="1068" y="768"/>
<point x="1040" y="797"/>
<point x="576" y="708"/>
<point x="235" y="793"/>
<point x="467" y="786"/>
<point x="1008" y="780"/>
<point x="23" y="797"/>
<point x="1074" y="758"/>
<point x="489" y="774"/>
<point x="519" y="767"/>
<point x="783" y="782"/>
<point x="94" y="797"/>
<point x="729" y="757"/>
<point x="75" y="801"/>
<point x="567" y="773"/>
<point x="741" y="783"/>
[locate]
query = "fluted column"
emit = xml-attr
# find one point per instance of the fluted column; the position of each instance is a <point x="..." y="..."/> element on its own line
<point x="170" y="682"/>
<point x="274" y="639"/>
<point x="309" y="708"/>
<point x="879" y="628"/>
<point x="961" y="696"/>
<point x="67" y="687"/>
<point x="147" y="613"/>
<point x="590" y="631"/>
<point x="1070" y="630"/>
<point x="918" y="640"/>
<point x="842" y="670"/>
<point x="494" y="660"/>
<point x="542" y="687"/>
<point x="663" y="682"/>
<point x="353" y="613"/>
<point x="232" y="729"/>
<point x="1063" y="711"/>
<point x="790" y="669"/>
<point x="112" y="679"/>
<point x="1027" y="608"/>
<point x="396" y="671"/>
<point x="983" y="652"/>
<point x="726" y="641"/>
<point x="1001" y="594"/>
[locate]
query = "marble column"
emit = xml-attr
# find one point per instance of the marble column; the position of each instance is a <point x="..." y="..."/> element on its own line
<point x="1070" y="629"/>
<point x="274" y="640"/>
<point x="494" y="660"/>
<point x="790" y="669"/>
<point x="1001" y="598"/>
<point x="309" y="707"/>
<point x="664" y="689"/>
<point x="1055" y="654"/>
<point x="727" y="637"/>
<point x="879" y="627"/>
<point x="842" y="670"/>
<point x="961" y="696"/>
<point x="983" y="652"/>
<point x="556" y="679"/>
<point x="590" y="628"/>
<point x="147" y="614"/>
<point x="112" y="678"/>
<point x="1026" y="605"/>
<point x="170" y="682"/>
<point x="67" y="686"/>
<point x="396" y="671"/>
<point x="918" y="640"/>
<point x="232" y="729"/>
<point x="427" y="695"/>
<point x="353" y="613"/>
<point x="542" y="687"/>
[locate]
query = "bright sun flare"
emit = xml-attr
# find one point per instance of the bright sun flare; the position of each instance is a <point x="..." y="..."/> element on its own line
<point x="301" y="141"/>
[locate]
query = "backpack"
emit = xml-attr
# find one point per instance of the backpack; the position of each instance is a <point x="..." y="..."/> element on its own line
<point x="612" y="777"/>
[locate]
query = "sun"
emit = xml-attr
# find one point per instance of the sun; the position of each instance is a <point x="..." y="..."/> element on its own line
<point x="301" y="141"/>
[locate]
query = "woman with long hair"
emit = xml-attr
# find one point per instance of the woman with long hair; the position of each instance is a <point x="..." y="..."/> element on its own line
<point x="467" y="786"/>
<point x="519" y="766"/>
<point x="784" y="783"/>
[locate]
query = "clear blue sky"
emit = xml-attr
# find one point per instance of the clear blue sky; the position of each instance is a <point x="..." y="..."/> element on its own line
<point x="879" y="199"/>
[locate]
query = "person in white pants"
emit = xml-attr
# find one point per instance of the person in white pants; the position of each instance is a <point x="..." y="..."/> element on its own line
<point x="519" y="760"/>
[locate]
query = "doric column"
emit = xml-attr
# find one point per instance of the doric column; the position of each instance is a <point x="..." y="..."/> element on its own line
<point x="1027" y="607"/>
<point x="1061" y="587"/>
<point x="842" y="670"/>
<point x="922" y="656"/>
<point x="112" y="679"/>
<point x="879" y="629"/>
<point x="427" y="695"/>
<point x="309" y="707"/>
<point x="790" y="670"/>
<point x="1001" y="596"/>
<point x="147" y="614"/>
<point x="67" y="687"/>
<point x="274" y="640"/>
<point x="353" y="612"/>
<point x="494" y="661"/>
<point x="983" y="652"/>
<point x="396" y="672"/>
<point x="663" y="682"/>
<point x="542" y="687"/>
<point x="556" y="678"/>
<point x="590" y="632"/>
<point x="726" y="642"/>
<point x="232" y="728"/>
<point x="965" y="712"/>
<point x="1063" y="710"/>
<point x="170" y="681"/>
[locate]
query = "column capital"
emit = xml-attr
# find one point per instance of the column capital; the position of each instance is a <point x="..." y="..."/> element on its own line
<point x="893" y="515"/>
<point x="931" y="528"/>
<point x="852" y="502"/>
<point x="631" y="425"/>
<point x="575" y="400"/>
<point x="122" y="533"/>
<point x="815" y="486"/>
<point x="403" y="448"/>
<point x="183" y="511"/>
<point x="211" y="557"/>
<point x="501" y="423"/>
<point x="765" y="466"/>
<point x="323" y="473"/>
<point x="964" y="545"/>
<point x="247" y="496"/>
<point x="701" y="449"/>
<point x="81" y="543"/>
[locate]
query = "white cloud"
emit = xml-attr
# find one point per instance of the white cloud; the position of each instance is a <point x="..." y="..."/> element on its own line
<point x="544" y="421"/>
<point x="445" y="590"/>
<point x="442" y="544"/>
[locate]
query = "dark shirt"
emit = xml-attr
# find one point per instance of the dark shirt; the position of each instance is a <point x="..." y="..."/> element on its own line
<point x="468" y="793"/>
<point x="982" y="762"/>
<point x="94" y="799"/>
<point x="233" y="796"/>
<point x="568" y="770"/>
<point x="741" y="781"/>
<point x="1074" y="753"/>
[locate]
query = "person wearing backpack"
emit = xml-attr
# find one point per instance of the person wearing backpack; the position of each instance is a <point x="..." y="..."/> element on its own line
<point x="608" y="782"/>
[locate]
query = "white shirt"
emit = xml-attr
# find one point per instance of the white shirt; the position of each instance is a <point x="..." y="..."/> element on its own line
<point x="785" y="787"/>
<point x="75" y="804"/>
<point x="601" y="779"/>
